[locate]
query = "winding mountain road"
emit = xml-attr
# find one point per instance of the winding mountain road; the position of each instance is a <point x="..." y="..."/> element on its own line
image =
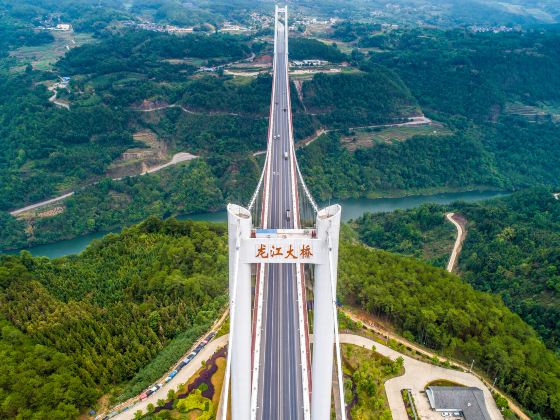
<point x="461" y="234"/>
<point x="177" y="158"/>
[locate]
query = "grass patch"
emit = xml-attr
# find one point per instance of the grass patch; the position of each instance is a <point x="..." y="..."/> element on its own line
<point x="408" y="400"/>
<point x="218" y="380"/>
<point x="365" y="373"/>
<point x="43" y="57"/>
<point x="224" y="328"/>
<point x="443" y="382"/>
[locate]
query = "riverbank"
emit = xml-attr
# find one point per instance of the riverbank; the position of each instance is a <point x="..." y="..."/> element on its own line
<point x="351" y="209"/>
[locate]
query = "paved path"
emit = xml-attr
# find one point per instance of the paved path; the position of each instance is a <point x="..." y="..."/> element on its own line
<point x="177" y="158"/>
<point x="183" y="376"/>
<point x="41" y="204"/>
<point x="52" y="99"/>
<point x="458" y="242"/>
<point x="413" y="121"/>
<point x="417" y="375"/>
<point x="182" y="108"/>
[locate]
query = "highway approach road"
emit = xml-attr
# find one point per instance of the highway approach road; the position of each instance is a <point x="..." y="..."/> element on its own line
<point x="280" y="379"/>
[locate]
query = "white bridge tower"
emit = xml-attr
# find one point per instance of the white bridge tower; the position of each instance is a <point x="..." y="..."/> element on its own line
<point x="309" y="246"/>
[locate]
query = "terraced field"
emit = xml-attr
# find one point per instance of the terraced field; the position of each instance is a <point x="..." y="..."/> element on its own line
<point x="369" y="137"/>
<point x="534" y="113"/>
<point x="43" y="57"/>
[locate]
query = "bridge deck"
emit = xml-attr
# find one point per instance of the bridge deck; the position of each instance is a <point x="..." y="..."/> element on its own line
<point x="280" y="376"/>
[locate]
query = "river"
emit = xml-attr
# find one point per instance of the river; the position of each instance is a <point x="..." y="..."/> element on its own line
<point x="351" y="209"/>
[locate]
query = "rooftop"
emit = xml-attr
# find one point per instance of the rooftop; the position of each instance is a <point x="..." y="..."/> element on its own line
<point x="469" y="400"/>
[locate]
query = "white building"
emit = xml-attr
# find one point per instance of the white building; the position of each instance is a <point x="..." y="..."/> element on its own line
<point x="309" y="63"/>
<point x="63" y="27"/>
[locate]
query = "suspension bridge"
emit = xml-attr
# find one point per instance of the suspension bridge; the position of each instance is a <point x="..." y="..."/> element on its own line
<point x="280" y="246"/>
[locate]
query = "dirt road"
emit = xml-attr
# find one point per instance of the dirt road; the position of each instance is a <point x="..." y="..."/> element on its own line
<point x="459" y="223"/>
<point x="177" y="158"/>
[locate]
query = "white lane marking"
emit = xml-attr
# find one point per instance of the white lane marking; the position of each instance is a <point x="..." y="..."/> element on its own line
<point x="300" y="303"/>
<point x="264" y="216"/>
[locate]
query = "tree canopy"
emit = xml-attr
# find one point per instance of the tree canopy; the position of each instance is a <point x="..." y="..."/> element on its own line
<point x="126" y="308"/>
<point x="440" y="311"/>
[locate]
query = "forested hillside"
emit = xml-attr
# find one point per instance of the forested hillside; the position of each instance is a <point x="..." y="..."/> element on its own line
<point x="418" y="165"/>
<point x="76" y="327"/>
<point x="348" y="100"/>
<point x="430" y="306"/>
<point x="14" y="35"/>
<point x="139" y="298"/>
<point x="482" y="88"/>
<point x="470" y="82"/>
<point x="473" y="74"/>
<point x="47" y="149"/>
<point x="308" y="48"/>
<point x="110" y="205"/>
<point x="512" y="249"/>
<point x="422" y="232"/>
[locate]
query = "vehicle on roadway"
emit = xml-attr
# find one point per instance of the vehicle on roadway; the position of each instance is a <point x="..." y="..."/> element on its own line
<point x="286" y="155"/>
<point x="288" y="215"/>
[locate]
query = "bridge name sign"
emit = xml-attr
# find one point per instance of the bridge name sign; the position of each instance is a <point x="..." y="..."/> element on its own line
<point x="283" y="250"/>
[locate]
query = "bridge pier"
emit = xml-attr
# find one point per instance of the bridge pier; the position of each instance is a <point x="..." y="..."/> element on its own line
<point x="239" y="228"/>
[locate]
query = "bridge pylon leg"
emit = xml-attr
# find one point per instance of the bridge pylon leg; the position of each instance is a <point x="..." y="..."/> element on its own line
<point x="239" y="227"/>
<point x="328" y="227"/>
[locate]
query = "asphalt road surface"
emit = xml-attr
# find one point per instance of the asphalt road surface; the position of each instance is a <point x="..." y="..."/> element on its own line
<point x="280" y="382"/>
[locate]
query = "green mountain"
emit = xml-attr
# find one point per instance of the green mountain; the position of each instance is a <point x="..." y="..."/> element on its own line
<point x="512" y="249"/>
<point x="115" y="317"/>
